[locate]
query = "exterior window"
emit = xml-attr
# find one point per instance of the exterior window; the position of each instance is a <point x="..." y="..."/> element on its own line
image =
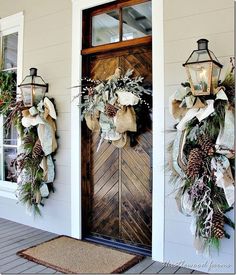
<point x="137" y="21"/>
<point x="11" y="46"/>
<point x="8" y="138"/>
<point x="124" y="23"/>
<point x="105" y="28"/>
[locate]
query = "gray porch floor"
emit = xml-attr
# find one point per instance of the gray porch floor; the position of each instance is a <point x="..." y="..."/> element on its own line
<point x="15" y="237"/>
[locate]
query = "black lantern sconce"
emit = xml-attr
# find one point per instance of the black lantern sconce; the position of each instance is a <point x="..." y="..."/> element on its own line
<point x="33" y="88"/>
<point x="203" y="70"/>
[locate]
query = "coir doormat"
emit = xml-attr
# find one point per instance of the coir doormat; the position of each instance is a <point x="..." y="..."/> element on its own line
<point x="69" y="255"/>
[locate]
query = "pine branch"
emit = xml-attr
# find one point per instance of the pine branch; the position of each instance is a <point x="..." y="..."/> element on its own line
<point x="229" y="222"/>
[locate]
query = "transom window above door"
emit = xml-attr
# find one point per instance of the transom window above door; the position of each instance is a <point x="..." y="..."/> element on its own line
<point x="120" y="22"/>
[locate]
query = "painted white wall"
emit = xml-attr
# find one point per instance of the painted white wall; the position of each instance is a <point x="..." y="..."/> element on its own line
<point x="186" y="21"/>
<point x="47" y="46"/>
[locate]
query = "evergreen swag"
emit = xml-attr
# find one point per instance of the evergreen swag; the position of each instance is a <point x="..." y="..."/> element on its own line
<point x="34" y="164"/>
<point x="118" y="107"/>
<point x="202" y="160"/>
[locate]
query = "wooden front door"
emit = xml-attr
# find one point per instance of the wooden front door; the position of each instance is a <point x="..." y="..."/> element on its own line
<point x="116" y="183"/>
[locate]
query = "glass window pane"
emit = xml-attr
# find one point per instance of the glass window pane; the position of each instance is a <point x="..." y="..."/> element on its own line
<point x="10" y="136"/>
<point x="105" y="28"/>
<point x="9" y="171"/>
<point x="137" y="21"/>
<point x="9" y="46"/>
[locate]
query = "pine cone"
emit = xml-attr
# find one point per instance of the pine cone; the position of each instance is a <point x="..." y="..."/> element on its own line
<point x="111" y="110"/>
<point x="28" y="140"/>
<point x="207" y="145"/>
<point x="37" y="150"/>
<point x="218" y="225"/>
<point x="195" y="162"/>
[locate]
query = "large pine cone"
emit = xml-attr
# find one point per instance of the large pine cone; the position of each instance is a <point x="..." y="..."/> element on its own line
<point x="207" y="145"/>
<point x="111" y="110"/>
<point x="195" y="162"/>
<point x="28" y="140"/>
<point x="37" y="150"/>
<point x="218" y="225"/>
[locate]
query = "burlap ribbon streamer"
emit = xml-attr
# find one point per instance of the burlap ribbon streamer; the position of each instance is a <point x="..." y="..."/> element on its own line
<point x="226" y="141"/>
<point x="44" y="118"/>
<point x="92" y="121"/>
<point x="224" y="177"/>
<point x="125" y="120"/>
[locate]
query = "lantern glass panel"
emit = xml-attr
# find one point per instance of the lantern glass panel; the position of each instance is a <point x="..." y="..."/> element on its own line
<point x="38" y="80"/>
<point x="215" y="76"/>
<point x="38" y="93"/>
<point x="199" y="77"/>
<point x="27" y="95"/>
<point x="199" y="56"/>
<point x="213" y="57"/>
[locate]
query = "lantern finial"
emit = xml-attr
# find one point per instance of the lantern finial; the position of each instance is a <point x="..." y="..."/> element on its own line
<point x="33" y="71"/>
<point x="202" y="44"/>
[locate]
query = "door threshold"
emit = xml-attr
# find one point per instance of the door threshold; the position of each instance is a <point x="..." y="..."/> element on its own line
<point x="119" y="245"/>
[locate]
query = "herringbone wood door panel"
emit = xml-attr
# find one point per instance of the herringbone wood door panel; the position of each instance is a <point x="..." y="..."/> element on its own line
<point x="118" y="181"/>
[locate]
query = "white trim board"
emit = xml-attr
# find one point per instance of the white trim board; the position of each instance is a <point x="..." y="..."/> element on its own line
<point x="8" y="25"/>
<point x="158" y="224"/>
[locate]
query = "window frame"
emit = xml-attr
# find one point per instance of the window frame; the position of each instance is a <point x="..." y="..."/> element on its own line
<point x="8" y="25"/>
<point x="88" y="48"/>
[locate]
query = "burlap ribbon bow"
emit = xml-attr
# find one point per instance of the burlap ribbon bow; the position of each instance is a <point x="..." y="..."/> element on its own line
<point x="44" y="119"/>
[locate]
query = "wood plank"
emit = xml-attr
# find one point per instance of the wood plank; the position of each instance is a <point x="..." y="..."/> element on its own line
<point x="23" y="242"/>
<point x="11" y="228"/>
<point x="19" y="239"/>
<point x="8" y="259"/>
<point x="102" y="206"/>
<point x="12" y="264"/>
<point x="98" y="196"/>
<point x="184" y="270"/>
<point x="20" y="268"/>
<point x="16" y="237"/>
<point x="12" y="231"/>
<point x="156" y="267"/>
<point x="102" y="181"/>
<point x="136" y="225"/>
<point x="169" y="270"/>
<point x="107" y="164"/>
<point x="143" y="221"/>
<point x="134" y="183"/>
<point x="3" y="221"/>
<point x="6" y="254"/>
<point x="138" y="162"/>
<point x="102" y="158"/>
<point x="35" y="269"/>
<point x="48" y="271"/>
<point x="198" y="272"/>
<point x="118" y="46"/>
<point x="139" y="268"/>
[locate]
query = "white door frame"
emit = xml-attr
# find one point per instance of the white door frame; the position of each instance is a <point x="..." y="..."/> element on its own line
<point x="158" y="201"/>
